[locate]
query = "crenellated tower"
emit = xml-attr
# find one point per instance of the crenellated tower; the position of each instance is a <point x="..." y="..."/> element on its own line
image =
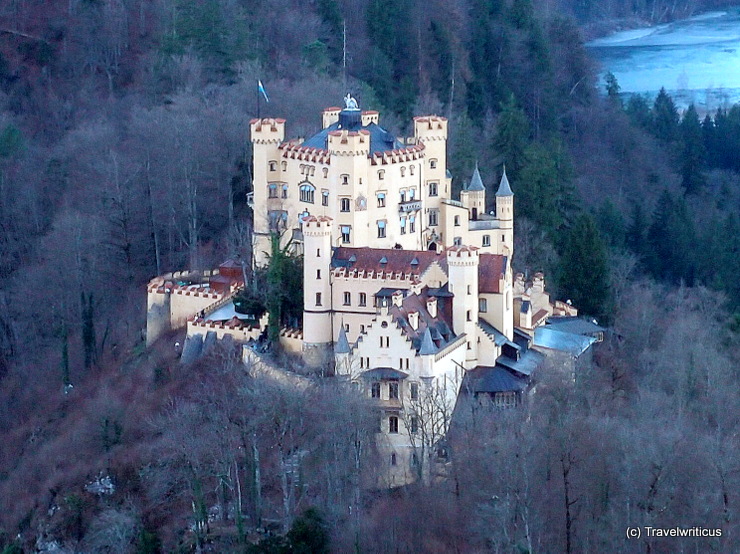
<point x="266" y="135"/>
<point x="317" y="308"/>
<point x="462" y="263"/>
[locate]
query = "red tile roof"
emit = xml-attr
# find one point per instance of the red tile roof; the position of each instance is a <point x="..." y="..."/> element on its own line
<point x="491" y="270"/>
<point x="396" y="260"/>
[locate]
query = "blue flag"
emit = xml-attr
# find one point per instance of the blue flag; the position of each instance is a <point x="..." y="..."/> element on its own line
<point x="262" y="90"/>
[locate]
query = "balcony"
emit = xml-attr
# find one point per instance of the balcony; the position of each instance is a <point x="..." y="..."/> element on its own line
<point x="410" y="206"/>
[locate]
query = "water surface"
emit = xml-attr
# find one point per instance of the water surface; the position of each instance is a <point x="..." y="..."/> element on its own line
<point x="697" y="60"/>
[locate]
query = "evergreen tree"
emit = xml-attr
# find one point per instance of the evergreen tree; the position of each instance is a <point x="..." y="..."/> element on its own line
<point x="671" y="241"/>
<point x="512" y="137"/>
<point x="88" y="330"/>
<point x="611" y="224"/>
<point x="693" y="152"/>
<point x="665" y="117"/>
<point x="583" y="271"/>
<point x="637" y="230"/>
<point x="638" y="111"/>
<point x="612" y="88"/>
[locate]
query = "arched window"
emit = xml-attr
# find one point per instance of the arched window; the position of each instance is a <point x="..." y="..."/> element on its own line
<point x="272" y="190"/>
<point x="403" y="172"/>
<point x="283" y="165"/>
<point x="273" y="165"/>
<point x="325" y="198"/>
<point x="411" y="170"/>
<point x="307" y="192"/>
<point x="381" y="174"/>
<point x="433" y="164"/>
<point x="285" y="191"/>
<point x="326" y="172"/>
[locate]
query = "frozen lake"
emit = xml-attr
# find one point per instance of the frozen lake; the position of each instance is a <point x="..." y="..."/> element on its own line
<point x="696" y="60"/>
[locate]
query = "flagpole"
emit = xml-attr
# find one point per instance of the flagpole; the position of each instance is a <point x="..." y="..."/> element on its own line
<point x="258" y="102"/>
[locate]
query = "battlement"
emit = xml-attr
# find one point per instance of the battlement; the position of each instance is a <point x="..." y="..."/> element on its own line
<point x="430" y="127"/>
<point x="350" y="143"/>
<point x="400" y="155"/>
<point x="314" y="225"/>
<point x="463" y="251"/>
<point x="370" y="116"/>
<point x="294" y="151"/>
<point x="267" y="130"/>
<point x="330" y="116"/>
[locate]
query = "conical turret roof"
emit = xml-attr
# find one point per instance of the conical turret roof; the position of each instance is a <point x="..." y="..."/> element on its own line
<point x="427" y="346"/>
<point x="504" y="189"/>
<point x="342" y="346"/>
<point x="476" y="183"/>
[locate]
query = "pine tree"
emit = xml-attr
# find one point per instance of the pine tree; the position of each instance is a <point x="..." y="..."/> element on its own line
<point x="693" y="152"/>
<point x="665" y="117"/>
<point x="512" y="137"/>
<point x="611" y="224"/>
<point x="583" y="272"/>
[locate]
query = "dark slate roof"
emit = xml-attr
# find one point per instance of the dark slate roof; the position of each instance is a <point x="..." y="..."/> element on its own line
<point x="573" y="344"/>
<point x="573" y="324"/>
<point x="504" y="189"/>
<point x="527" y="363"/>
<point x="387" y="292"/>
<point x="439" y="327"/>
<point x="342" y="345"/>
<point x="484" y="379"/>
<point x="380" y="139"/>
<point x="491" y="269"/>
<point x="384" y="373"/>
<point x="368" y="259"/>
<point x="476" y="183"/>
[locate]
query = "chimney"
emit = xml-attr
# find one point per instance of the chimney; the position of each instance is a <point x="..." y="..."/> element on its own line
<point x="414" y="320"/>
<point x="397" y="298"/>
<point x="432" y="306"/>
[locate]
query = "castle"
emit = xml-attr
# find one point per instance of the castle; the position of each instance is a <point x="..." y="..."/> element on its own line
<point x="408" y="293"/>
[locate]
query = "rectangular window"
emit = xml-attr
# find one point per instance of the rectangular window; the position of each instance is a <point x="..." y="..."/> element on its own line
<point x="363" y="299"/>
<point x="347" y="298"/>
<point x="482" y="305"/>
<point x="433" y="189"/>
<point x="272" y="191"/>
<point x="345" y="233"/>
<point x="325" y="198"/>
<point x="412" y="224"/>
<point x="393" y="424"/>
<point x="433" y="218"/>
<point x="318" y="274"/>
<point x="503" y="238"/>
<point x="344" y="204"/>
<point x="345" y="179"/>
<point x="414" y="425"/>
<point x="318" y="299"/>
<point x="381" y="200"/>
<point x="414" y="391"/>
<point x="403" y="225"/>
<point x="403" y="196"/>
<point x="486" y="240"/>
<point x="457" y="241"/>
<point x="381" y="229"/>
<point x="285" y="191"/>
<point x="457" y="221"/>
<point x="393" y="391"/>
<point x="412" y="194"/>
<point x="375" y="390"/>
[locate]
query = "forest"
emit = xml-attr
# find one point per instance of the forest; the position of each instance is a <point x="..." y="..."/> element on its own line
<point x="124" y="153"/>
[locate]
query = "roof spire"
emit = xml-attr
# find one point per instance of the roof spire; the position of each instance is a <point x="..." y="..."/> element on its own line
<point x="476" y="183"/>
<point x="504" y="189"/>
<point x="427" y="346"/>
<point x="342" y="346"/>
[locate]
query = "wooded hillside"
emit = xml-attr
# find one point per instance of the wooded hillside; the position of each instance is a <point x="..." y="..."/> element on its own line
<point x="124" y="153"/>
